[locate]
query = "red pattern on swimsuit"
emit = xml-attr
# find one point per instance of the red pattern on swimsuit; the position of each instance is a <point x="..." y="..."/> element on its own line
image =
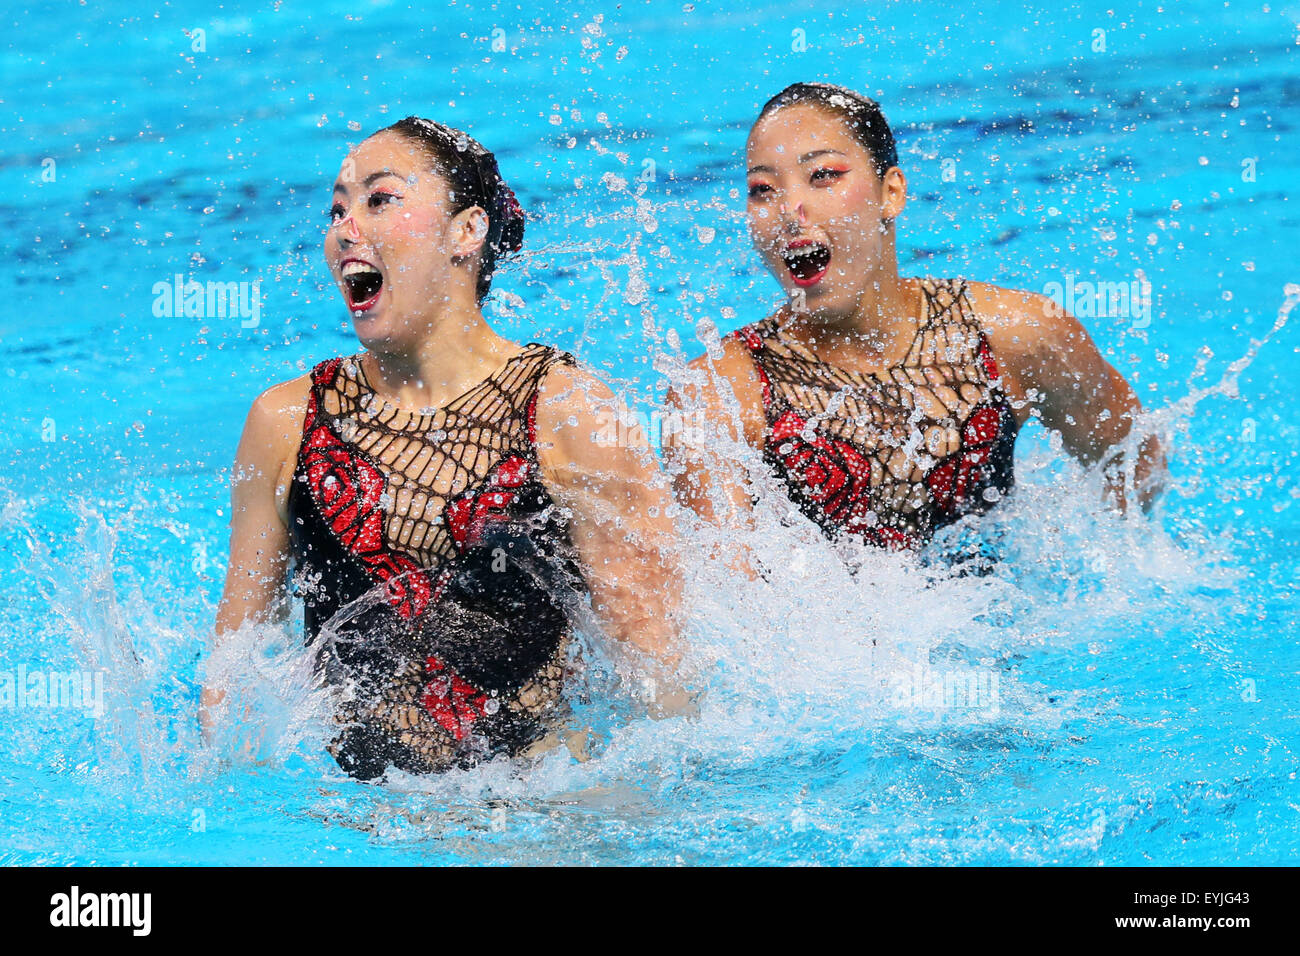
<point x="451" y="700"/>
<point x="468" y="514"/>
<point x="952" y="481"/>
<point x="835" y="476"/>
<point x="863" y="488"/>
<point x="349" y="490"/>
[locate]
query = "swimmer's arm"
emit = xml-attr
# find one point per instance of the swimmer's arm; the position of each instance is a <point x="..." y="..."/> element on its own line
<point x="621" y="512"/>
<point x="259" y="538"/>
<point x="1080" y="395"/>
<point x="721" y="408"/>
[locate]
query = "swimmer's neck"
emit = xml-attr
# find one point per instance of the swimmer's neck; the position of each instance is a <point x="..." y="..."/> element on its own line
<point x="882" y="316"/>
<point x="455" y="349"/>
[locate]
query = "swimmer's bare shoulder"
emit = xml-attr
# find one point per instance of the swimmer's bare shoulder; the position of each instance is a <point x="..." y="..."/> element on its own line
<point x="259" y="493"/>
<point x="1021" y="330"/>
<point x="272" y="434"/>
<point x="1037" y="345"/>
<point x="1050" y="364"/>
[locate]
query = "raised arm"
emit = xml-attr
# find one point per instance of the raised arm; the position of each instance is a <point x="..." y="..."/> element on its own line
<point x="605" y="473"/>
<point x="259" y="536"/>
<point x="1049" y="359"/>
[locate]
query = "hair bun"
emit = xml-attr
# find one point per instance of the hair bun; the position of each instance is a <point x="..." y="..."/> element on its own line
<point x="473" y="178"/>
<point x="512" y="218"/>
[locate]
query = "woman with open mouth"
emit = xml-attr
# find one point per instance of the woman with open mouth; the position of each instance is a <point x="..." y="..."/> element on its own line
<point x="445" y="495"/>
<point x="888" y="406"/>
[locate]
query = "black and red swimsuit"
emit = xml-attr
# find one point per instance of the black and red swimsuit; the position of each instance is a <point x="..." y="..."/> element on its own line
<point x="428" y="550"/>
<point x="894" y="455"/>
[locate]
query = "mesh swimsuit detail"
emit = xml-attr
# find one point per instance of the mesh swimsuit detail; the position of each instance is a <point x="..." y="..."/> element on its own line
<point x="890" y="456"/>
<point x="440" y="520"/>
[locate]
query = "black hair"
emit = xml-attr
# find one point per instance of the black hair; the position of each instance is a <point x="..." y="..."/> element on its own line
<point x="471" y="172"/>
<point x="859" y="113"/>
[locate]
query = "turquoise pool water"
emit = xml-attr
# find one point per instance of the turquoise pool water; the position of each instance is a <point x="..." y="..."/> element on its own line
<point x="1132" y="684"/>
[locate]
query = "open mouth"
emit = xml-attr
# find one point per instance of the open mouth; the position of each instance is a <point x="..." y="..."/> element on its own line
<point x="363" y="283"/>
<point x="807" y="261"/>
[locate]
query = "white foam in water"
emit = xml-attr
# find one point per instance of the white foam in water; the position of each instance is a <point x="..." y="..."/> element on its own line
<point x="275" y="706"/>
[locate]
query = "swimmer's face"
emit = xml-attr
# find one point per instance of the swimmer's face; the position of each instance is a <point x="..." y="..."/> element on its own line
<point x="818" y="210"/>
<point x="392" y="246"/>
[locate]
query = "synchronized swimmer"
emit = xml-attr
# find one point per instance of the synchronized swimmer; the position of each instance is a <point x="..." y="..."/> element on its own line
<point x="449" y="472"/>
<point x="915" y="388"/>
